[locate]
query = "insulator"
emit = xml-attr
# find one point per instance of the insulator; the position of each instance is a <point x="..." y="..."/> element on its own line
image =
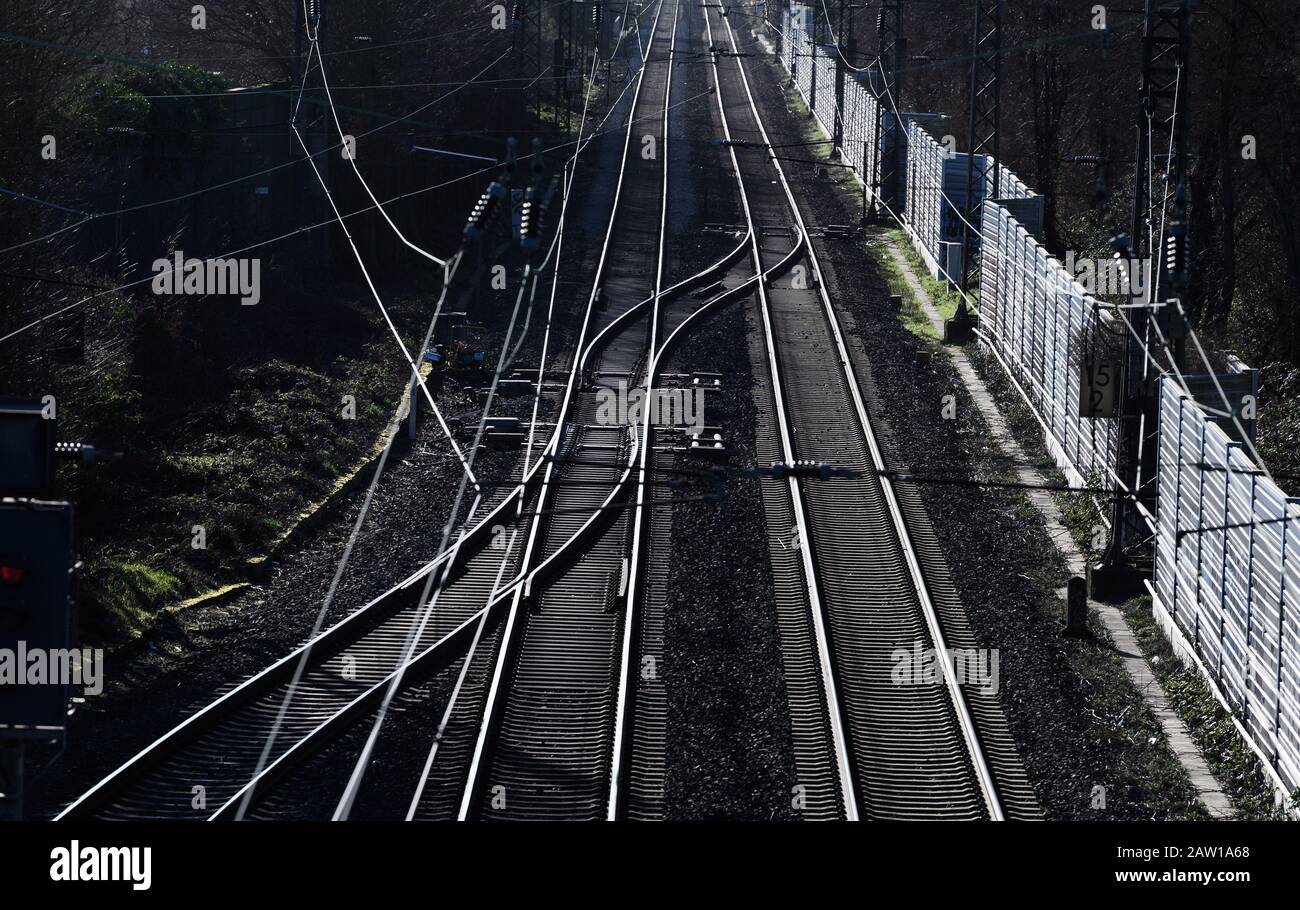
<point x="803" y="467"/>
<point x="1177" y="246"/>
<point x="485" y="211"/>
<point x="597" y="14"/>
<point x="530" y="224"/>
<point x="1176" y="254"/>
<point x="533" y="219"/>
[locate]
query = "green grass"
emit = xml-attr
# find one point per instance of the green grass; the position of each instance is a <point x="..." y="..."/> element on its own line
<point x="1148" y="764"/>
<point x="1236" y="767"/>
<point x="822" y="148"/>
<point x="913" y="314"/>
<point x="1080" y="517"/>
<point x="244" y="463"/>
<point x="1120" y="720"/>
<point x="129" y="593"/>
<point x="942" y="295"/>
<point x="1210" y="725"/>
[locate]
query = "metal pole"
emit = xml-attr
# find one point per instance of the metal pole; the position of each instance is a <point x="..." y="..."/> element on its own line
<point x="866" y="165"/>
<point x="891" y="50"/>
<point x="1162" y="119"/>
<point x="812" y="64"/>
<point x="982" y="170"/>
<point x="841" y="49"/>
<point x="11" y="779"/>
<point x="538" y="20"/>
<point x="412" y="431"/>
<point x="298" y="30"/>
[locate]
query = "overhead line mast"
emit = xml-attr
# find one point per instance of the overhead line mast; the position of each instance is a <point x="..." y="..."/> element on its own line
<point x="844" y="46"/>
<point x="526" y="20"/>
<point x="892" y="51"/>
<point x="1160" y="236"/>
<point x="982" y="164"/>
<point x="564" y="60"/>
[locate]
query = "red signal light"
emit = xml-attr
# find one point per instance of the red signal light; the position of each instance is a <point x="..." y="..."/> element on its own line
<point x="12" y="574"/>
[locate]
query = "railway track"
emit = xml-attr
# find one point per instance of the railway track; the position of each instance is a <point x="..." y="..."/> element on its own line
<point x="223" y="760"/>
<point x="866" y="745"/>
<point x="238" y="747"/>
<point x="552" y="743"/>
<point x="534" y="648"/>
<point x="578" y="731"/>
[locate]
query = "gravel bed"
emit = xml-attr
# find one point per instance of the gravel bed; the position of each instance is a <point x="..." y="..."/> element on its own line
<point x="1072" y="735"/>
<point x="189" y="659"/>
<point x="728" y="737"/>
<point x="728" y="744"/>
<point x="729" y="749"/>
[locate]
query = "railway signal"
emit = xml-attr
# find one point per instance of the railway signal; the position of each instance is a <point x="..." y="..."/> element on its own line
<point x="36" y="566"/>
<point x="484" y="214"/>
<point x="487" y="210"/>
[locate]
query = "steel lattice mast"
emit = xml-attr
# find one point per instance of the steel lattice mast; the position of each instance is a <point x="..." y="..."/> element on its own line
<point x="526" y="20"/>
<point x="1159" y="213"/>
<point x="982" y="166"/>
<point x="892" y="49"/>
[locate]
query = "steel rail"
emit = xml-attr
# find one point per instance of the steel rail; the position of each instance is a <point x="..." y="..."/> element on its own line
<point x="979" y="762"/>
<point x="338" y="637"/>
<point x="522" y="588"/>
<point x="835" y="715"/>
<point x="494" y="704"/>
<point x="623" y="699"/>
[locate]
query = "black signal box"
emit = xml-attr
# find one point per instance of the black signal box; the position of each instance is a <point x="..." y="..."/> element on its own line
<point x="36" y="663"/>
<point x="26" y="449"/>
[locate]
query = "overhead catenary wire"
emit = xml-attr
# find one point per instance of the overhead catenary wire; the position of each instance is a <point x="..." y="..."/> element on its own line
<point x="981" y="333"/>
<point x="1144" y="343"/>
<point x="285" y="235"/>
<point x="466" y="475"/>
<point x="346" y="801"/>
<point x="344" y="807"/>
<point x="98" y="54"/>
<point x="301" y="666"/>
<point x="92" y="216"/>
<point x="365" y="272"/>
<point x="1229" y="411"/>
<point x="352" y="160"/>
<point x="311" y="227"/>
<point x="524" y="579"/>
